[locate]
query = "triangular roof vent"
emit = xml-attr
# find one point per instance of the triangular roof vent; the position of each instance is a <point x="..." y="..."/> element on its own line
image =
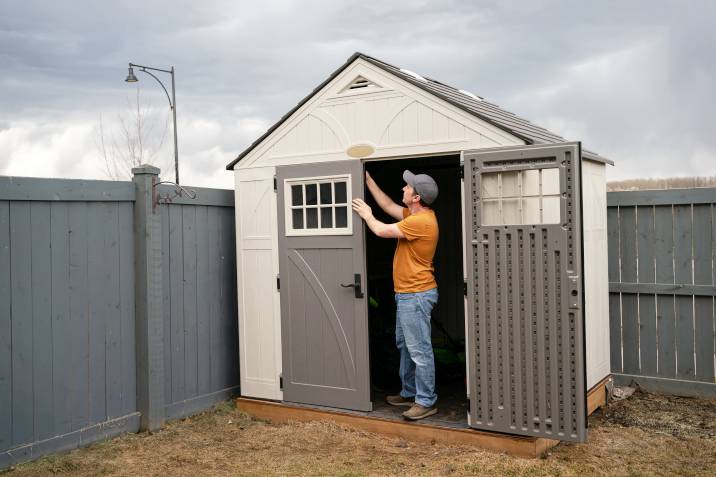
<point x="360" y="83"/>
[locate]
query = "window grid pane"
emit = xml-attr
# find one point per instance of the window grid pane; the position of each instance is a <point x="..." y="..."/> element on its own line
<point x="521" y="197"/>
<point x="318" y="204"/>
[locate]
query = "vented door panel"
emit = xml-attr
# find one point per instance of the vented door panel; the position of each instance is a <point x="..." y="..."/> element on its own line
<point x="525" y="291"/>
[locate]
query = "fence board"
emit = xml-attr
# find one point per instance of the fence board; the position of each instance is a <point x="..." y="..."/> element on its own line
<point x="126" y="303"/>
<point x="666" y="326"/>
<point x="664" y="273"/>
<point x="664" y="244"/>
<point x="61" y="330"/>
<point x="704" y="195"/>
<point x="167" y="303"/>
<point x="615" y="332"/>
<point x="203" y="282"/>
<point x="647" y="302"/>
<point x="215" y="306"/>
<point x="176" y="277"/>
<point x="5" y="329"/>
<point x="41" y="260"/>
<point x="627" y="244"/>
<point x="79" y="314"/>
<point x="39" y="189"/>
<point x="684" y="305"/>
<point x="189" y="295"/>
<point x="229" y="350"/>
<point x="703" y="306"/>
<point x="112" y="316"/>
<point x="22" y="352"/>
<point x="97" y="285"/>
<point x="613" y="243"/>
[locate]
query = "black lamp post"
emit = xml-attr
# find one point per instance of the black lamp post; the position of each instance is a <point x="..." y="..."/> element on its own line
<point x="172" y="102"/>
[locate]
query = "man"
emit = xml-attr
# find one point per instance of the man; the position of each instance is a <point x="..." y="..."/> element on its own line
<point x="416" y="291"/>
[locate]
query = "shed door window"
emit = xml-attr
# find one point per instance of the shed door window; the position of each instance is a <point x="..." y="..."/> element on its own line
<point x="318" y="206"/>
<point x="529" y="196"/>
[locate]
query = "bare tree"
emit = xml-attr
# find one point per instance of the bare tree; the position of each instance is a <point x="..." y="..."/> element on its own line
<point x="136" y="137"/>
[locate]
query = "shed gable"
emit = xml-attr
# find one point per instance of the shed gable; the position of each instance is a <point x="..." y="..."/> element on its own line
<point x="367" y="105"/>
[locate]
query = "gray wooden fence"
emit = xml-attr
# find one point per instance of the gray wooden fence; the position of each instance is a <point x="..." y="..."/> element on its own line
<point x="662" y="246"/>
<point x="75" y="333"/>
<point x="199" y="292"/>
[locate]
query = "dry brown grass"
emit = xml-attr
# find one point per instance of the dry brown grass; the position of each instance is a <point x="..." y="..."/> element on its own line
<point x="628" y="438"/>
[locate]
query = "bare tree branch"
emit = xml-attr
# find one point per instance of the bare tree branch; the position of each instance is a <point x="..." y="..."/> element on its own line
<point x="133" y="140"/>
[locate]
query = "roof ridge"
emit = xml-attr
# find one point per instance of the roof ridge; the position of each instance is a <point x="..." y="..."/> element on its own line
<point x="483" y="109"/>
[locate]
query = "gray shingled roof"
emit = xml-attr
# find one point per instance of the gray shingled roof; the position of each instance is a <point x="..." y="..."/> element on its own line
<point x="488" y="112"/>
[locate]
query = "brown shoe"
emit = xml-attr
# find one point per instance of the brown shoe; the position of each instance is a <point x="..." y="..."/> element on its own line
<point x="419" y="412"/>
<point x="399" y="400"/>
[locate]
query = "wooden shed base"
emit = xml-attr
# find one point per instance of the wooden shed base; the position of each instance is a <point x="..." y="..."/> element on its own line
<point x="529" y="447"/>
<point x="597" y="396"/>
<point x="514" y="445"/>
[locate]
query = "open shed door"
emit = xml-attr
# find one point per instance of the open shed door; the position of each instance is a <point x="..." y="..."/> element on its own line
<point x="525" y="291"/>
<point x="324" y="316"/>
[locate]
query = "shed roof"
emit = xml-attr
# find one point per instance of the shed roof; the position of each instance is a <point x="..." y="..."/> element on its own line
<point x="474" y="105"/>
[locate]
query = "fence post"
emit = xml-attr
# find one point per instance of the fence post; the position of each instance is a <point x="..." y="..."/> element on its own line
<point x="148" y="284"/>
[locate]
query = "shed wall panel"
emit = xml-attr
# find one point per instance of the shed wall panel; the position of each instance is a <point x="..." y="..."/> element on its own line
<point x="596" y="279"/>
<point x="258" y="297"/>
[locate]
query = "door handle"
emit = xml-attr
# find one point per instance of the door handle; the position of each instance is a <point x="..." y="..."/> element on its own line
<point x="355" y="285"/>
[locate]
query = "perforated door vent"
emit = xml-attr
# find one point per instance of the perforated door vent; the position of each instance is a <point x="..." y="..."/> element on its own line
<point x="525" y="333"/>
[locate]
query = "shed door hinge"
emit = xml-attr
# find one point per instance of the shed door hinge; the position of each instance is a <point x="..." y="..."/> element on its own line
<point x="278" y="282"/>
<point x="464" y="287"/>
<point x="280" y="381"/>
<point x="462" y="173"/>
<point x="275" y="184"/>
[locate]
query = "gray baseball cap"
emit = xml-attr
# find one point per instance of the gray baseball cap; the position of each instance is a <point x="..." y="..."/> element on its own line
<point x="423" y="184"/>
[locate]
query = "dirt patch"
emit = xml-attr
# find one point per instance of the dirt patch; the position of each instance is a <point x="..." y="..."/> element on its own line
<point x="672" y="415"/>
<point x="227" y="442"/>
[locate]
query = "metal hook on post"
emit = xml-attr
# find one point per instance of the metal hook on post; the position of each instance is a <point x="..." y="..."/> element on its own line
<point x="168" y="198"/>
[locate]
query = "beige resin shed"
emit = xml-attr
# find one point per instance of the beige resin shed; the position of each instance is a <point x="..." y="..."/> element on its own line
<point x="521" y="331"/>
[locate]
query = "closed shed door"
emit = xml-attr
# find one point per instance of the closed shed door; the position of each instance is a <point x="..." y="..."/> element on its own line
<point x="525" y="319"/>
<point x="324" y="320"/>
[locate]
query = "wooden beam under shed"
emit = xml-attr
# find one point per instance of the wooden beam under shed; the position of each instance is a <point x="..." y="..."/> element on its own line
<point x="529" y="447"/>
<point x="597" y="396"/>
<point x="520" y="446"/>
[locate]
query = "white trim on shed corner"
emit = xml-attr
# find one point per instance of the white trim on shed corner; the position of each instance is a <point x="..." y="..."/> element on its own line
<point x="257" y="271"/>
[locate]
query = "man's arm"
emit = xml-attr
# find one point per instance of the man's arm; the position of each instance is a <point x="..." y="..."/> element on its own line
<point x="384" y="202"/>
<point x="376" y="226"/>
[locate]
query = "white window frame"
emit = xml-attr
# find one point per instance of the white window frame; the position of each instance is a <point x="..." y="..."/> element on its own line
<point x="520" y="197"/>
<point x="288" y="206"/>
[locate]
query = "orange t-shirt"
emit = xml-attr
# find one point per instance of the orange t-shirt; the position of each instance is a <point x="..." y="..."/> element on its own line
<point x="413" y="259"/>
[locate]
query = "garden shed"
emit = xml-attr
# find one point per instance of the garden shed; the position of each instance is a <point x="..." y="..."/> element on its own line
<point x="521" y="331"/>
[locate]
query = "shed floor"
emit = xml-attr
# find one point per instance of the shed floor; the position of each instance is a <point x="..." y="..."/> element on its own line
<point x="452" y="408"/>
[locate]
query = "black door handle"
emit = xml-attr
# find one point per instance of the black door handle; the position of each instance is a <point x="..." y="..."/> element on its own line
<point x="355" y="285"/>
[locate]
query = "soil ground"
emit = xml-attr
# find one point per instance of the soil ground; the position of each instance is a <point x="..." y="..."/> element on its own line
<point x="646" y="434"/>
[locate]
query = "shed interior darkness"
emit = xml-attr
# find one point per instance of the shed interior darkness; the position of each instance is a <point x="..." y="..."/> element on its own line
<point x="448" y="317"/>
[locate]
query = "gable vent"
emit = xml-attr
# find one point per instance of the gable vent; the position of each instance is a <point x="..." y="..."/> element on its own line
<point x="360" y="83"/>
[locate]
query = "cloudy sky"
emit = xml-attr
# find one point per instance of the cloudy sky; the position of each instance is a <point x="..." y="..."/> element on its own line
<point x="635" y="81"/>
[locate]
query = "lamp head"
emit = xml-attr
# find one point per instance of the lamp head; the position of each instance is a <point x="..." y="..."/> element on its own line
<point x="130" y="76"/>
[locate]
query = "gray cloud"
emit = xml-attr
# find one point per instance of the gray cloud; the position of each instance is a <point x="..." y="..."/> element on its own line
<point x="633" y="80"/>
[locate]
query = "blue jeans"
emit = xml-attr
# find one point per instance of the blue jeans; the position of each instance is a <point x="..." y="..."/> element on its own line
<point x="412" y="336"/>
